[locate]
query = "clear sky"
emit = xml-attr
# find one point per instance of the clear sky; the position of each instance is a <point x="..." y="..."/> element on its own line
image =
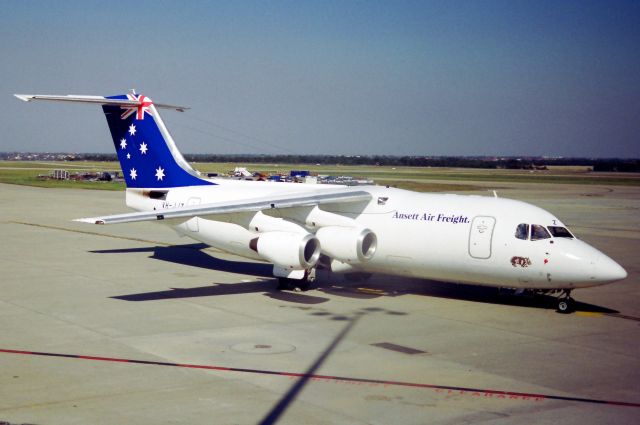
<point x="558" y="78"/>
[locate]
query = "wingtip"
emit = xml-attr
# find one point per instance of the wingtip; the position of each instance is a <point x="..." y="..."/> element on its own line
<point x="90" y="220"/>
<point x="23" y="97"/>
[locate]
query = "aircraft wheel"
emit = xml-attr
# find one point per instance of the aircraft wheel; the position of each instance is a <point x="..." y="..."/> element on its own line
<point x="565" y="305"/>
<point x="303" y="284"/>
<point x="285" y="284"/>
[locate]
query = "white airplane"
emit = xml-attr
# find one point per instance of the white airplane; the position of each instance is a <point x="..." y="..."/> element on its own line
<point x="300" y="228"/>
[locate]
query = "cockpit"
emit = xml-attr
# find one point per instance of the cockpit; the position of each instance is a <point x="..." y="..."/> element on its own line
<point x="536" y="232"/>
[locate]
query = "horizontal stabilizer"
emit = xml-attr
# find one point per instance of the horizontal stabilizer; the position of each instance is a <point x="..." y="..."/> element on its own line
<point x="99" y="100"/>
<point x="247" y="205"/>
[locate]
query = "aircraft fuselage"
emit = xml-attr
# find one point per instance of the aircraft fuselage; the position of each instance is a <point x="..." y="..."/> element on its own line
<point x="455" y="238"/>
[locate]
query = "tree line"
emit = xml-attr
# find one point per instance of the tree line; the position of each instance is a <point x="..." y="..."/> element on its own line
<point x="598" y="164"/>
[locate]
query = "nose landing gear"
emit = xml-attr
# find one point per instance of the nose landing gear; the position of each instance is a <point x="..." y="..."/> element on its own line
<point x="566" y="304"/>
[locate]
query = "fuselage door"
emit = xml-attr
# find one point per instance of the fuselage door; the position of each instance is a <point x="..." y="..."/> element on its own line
<point x="192" y="224"/>
<point x="480" y="237"/>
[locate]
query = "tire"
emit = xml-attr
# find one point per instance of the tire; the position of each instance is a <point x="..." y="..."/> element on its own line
<point x="304" y="285"/>
<point x="285" y="284"/>
<point x="565" y="306"/>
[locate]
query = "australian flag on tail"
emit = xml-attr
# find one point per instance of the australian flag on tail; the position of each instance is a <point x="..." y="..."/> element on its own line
<point x="147" y="153"/>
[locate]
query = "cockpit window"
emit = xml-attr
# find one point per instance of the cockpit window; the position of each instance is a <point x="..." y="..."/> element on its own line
<point x="522" y="231"/>
<point x="560" y="232"/>
<point x="539" y="232"/>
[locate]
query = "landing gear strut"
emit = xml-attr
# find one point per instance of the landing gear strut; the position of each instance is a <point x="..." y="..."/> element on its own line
<point x="566" y="304"/>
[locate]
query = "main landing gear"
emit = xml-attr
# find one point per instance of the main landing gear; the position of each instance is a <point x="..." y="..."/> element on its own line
<point x="566" y="304"/>
<point x="288" y="284"/>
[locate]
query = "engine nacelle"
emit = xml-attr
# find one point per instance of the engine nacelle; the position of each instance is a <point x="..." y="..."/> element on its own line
<point x="347" y="244"/>
<point x="293" y="251"/>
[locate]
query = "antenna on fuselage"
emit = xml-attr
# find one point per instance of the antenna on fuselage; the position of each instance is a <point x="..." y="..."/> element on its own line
<point x="495" y="194"/>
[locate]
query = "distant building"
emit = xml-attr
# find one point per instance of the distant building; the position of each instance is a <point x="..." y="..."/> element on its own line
<point x="241" y="172"/>
<point x="60" y="175"/>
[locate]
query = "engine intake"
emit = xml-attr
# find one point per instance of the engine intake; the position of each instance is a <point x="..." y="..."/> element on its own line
<point x="348" y="244"/>
<point x="294" y="251"/>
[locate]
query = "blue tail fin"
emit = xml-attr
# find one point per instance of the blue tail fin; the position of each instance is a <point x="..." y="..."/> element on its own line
<point x="148" y="155"/>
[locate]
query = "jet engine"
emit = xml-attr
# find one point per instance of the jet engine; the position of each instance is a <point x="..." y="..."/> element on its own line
<point x="347" y="244"/>
<point x="293" y="251"/>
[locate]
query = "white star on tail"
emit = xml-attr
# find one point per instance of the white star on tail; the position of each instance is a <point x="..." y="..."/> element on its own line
<point x="133" y="174"/>
<point x="143" y="148"/>
<point x="128" y="156"/>
<point x="123" y="143"/>
<point x="159" y="173"/>
<point x="132" y="130"/>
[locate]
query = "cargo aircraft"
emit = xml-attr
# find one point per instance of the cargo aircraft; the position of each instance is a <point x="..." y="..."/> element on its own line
<point x="304" y="228"/>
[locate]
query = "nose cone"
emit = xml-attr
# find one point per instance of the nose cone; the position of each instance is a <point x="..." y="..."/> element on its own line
<point x="582" y="265"/>
<point x="607" y="271"/>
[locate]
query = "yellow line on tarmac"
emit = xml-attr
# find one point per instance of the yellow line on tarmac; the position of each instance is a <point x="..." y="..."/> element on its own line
<point x="371" y="291"/>
<point x="588" y="314"/>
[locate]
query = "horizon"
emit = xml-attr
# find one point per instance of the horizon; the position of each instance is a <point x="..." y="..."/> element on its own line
<point x="369" y="156"/>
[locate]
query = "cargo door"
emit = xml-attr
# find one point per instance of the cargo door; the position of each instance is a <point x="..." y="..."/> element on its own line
<point x="480" y="237"/>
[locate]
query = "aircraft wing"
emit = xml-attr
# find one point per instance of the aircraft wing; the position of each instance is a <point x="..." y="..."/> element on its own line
<point x="244" y="205"/>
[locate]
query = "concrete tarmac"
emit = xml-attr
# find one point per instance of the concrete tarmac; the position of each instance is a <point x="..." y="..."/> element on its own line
<point x="208" y="338"/>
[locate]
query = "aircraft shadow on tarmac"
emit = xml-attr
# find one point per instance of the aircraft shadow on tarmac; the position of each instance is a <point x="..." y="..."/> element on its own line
<point x="458" y="291"/>
<point x="192" y="255"/>
<point x="379" y="286"/>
